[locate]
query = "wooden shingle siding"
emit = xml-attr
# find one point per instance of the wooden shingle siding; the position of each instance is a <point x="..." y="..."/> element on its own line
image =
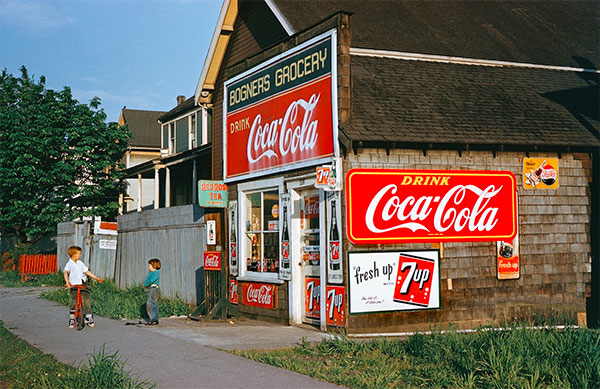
<point x="554" y="245"/>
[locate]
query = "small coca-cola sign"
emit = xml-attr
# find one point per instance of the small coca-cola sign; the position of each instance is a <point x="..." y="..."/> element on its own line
<point x="212" y="260"/>
<point x="397" y="206"/>
<point x="259" y="295"/>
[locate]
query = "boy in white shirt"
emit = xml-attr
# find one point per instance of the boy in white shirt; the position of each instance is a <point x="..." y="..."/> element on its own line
<point x="76" y="273"/>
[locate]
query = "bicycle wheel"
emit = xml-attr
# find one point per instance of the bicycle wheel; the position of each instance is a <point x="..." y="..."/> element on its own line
<point x="79" y="322"/>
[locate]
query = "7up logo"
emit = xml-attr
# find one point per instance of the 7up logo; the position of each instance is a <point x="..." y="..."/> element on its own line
<point x="413" y="281"/>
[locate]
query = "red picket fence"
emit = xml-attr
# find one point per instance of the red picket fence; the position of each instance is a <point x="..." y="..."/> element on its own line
<point x="37" y="264"/>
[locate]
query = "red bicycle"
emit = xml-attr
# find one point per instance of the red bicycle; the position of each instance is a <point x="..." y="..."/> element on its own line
<point x="79" y="317"/>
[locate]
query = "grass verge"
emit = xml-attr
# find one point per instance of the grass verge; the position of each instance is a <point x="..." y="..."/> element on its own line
<point x="518" y="358"/>
<point x="23" y="366"/>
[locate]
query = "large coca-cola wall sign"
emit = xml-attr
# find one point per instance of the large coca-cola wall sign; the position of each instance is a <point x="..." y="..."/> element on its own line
<point x="400" y="206"/>
<point x="282" y="114"/>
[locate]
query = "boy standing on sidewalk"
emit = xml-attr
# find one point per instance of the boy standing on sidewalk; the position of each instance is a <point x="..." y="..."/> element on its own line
<point x="152" y="290"/>
<point x="76" y="273"/>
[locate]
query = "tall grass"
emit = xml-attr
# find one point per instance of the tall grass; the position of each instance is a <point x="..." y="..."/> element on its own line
<point x="23" y="366"/>
<point x="12" y="279"/>
<point x="519" y="357"/>
<point x="111" y="302"/>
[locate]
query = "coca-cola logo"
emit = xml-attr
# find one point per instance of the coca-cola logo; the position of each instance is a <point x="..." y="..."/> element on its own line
<point x="261" y="295"/>
<point x="212" y="260"/>
<point x="296" y="131"/>
<point x="311" y="207"/>
<point x="430" y="205"/>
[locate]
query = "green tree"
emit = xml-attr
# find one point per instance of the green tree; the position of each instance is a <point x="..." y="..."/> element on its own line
<point x="59" y="159"/>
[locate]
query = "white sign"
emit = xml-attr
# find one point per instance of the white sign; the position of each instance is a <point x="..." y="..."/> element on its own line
<point x="108" y="244"/>
<point x="211" y="232"/>
<point x="394" y="281"/>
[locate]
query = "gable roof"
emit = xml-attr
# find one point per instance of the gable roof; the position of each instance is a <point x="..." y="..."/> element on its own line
<point x="446" y="103"/>
<point x="144" y="127"/>
<point x="185" y="107"/>
<point x="540" y="32"/>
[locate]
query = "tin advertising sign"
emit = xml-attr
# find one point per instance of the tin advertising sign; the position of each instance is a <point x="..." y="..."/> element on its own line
<point x="282" y="114"/>
<point x="259" y="295"/>
<point x="212" y="260"/>
<point x="336" y="313"/>
<point x="399" y="206"/>
<point x="212" y="194"/>
<point x="540" y="173"/>
<point x="394" y="281"/>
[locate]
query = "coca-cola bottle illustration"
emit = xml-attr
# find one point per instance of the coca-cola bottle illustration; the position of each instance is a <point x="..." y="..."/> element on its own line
<point x="233" y="242"/>
<point x="285" y="242"/>
<point x="334" y="240"/>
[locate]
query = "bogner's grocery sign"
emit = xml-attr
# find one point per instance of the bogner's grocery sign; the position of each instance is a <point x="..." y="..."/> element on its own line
<point x="397" y="206"/>
<point x="282" y="114"/>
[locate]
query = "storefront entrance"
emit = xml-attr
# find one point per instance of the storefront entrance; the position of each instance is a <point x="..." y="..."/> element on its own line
<point x="311" y="225"/>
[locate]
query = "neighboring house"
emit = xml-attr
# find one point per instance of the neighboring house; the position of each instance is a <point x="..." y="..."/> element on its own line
<point x="144" y="145"/>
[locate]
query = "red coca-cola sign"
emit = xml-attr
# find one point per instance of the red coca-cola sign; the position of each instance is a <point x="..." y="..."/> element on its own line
<point x="259" y="295"/>
<point x="279" y="115"/>
<point x="397" y="206"/>
<point x="212" y="260"/>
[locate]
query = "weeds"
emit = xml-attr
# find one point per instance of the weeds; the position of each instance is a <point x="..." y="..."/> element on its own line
<point x="12" y="279"/>
<point x="111" y="302"/>
<point x="23" y="366"/>
<point x="518" y="357"/>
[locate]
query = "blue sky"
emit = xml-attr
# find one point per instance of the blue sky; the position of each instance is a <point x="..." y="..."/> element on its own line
<point x="135" y="53"/>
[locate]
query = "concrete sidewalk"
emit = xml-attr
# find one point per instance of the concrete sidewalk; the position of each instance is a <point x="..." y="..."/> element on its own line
<point x="178" y="353"/>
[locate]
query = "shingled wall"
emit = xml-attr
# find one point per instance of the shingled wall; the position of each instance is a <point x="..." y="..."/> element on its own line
<point x="554" y="233"/>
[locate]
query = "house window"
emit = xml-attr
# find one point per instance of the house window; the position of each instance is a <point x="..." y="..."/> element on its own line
<point x="165" y="136"/>
<point x="193" y="130"/>
<point x="259" y="218"/>
<point x="171" y="138"/>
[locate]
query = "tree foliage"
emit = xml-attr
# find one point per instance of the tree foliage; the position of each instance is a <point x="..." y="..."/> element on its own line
<point x="59" y="159"/>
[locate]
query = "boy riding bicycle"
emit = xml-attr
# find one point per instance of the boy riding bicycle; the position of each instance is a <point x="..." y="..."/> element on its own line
<point x="76" y="273"/>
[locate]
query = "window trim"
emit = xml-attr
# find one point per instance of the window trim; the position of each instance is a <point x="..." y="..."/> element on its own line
<point x="243" y="190"/>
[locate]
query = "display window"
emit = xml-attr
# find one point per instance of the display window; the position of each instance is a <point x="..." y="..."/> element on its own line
<point x="259" y="212"/>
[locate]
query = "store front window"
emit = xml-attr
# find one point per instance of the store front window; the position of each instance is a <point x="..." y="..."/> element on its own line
<point x="259" y="214"/>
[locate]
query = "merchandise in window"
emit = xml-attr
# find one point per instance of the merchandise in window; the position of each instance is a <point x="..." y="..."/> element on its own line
<point x="262" y="232"/>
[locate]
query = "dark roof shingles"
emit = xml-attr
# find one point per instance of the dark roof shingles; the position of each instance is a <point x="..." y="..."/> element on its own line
<point x="144" y="127"/>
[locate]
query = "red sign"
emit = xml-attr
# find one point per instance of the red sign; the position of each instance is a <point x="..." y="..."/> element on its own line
<point x="336" y="313"/>
<point x="281" y="131"/>
<point x="413" y="283"/>
<point x="259" y="295"/>
<point x="312" y="297"/>
<point x="397" y="206"/>
<point x="233" y="292"/>
<point x="212" y="260"/>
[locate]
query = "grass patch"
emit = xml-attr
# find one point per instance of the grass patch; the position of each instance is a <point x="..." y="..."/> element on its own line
<point x="23" y="366"/>
<point x="517" y="358"/>
<point x="12" y="279"/>
<point x="111" y="302"/>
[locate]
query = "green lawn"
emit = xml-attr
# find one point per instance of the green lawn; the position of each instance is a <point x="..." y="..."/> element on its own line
<point x="517" y="358"/>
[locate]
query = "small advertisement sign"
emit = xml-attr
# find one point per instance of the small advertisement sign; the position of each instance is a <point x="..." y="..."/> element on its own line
<point x="212" y="194"/>
<point x="540" y="173"/>
<point x="507" y="254"/>
<point x="394" y="281"/>
<point x="259" y="295"/>
<point x="312" y="297"/>
<point x="104" y="228"/>
<point x="233" y="233"/>
<point x="282" y="114"/>
<point x="211" y="232"/>
<point x="397" y="206"/>
<point x="285" y="271"/>
<point x="233" y="292"/>
<point x="328" y="177"/>
<point x="336" y="313"/>
<point x="108" y="244"/>
<point x="212" y="260"/>
<point x="335" y="273"/>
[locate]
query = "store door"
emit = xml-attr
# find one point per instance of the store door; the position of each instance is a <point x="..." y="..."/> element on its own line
<point x="311" y="242"/>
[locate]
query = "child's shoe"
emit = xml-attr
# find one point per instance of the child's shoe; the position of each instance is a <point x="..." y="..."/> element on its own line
<point x="89" y="320"/>
<point x="71" y="323"/>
